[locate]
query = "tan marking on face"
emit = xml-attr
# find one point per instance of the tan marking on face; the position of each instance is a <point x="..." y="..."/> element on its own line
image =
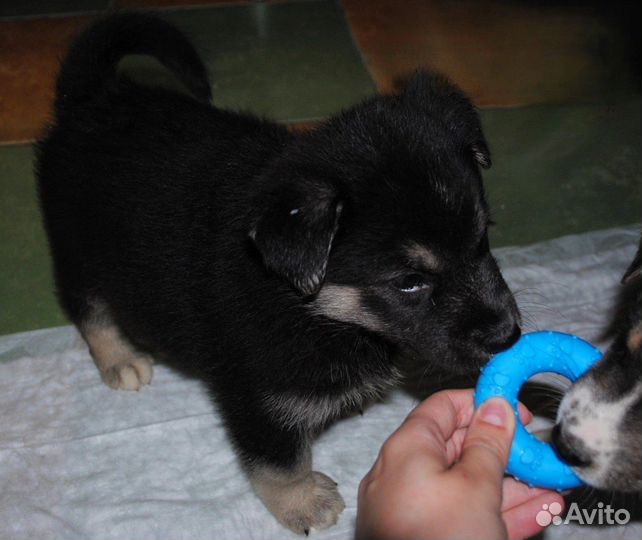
<point x="344" y="303"/>
<point x="424" y="257"/>
<point x="300" y="498"/>
<point x="634" y="341"/>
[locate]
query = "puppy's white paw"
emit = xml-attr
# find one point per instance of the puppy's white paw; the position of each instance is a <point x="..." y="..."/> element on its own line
<point x="310" y="502"/>
<point x="121" y="366"/>
<point x="319" y="507"/>
<point x="131" y="374"/>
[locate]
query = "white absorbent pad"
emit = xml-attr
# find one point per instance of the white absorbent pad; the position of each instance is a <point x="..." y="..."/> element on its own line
<point x="79" y="460"/>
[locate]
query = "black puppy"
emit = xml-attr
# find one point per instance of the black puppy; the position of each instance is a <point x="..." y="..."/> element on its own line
<point x="599" y="422"/>
<point x="283" y="270"/>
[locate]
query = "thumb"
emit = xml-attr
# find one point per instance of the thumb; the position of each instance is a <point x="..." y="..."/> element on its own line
<point x="487" y="444"/>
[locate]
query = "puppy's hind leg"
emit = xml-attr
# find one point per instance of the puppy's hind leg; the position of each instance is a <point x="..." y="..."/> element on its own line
<point x="121" y="366"/>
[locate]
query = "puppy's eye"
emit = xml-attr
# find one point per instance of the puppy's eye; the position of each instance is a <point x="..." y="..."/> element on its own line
<point x="412" y="283"/>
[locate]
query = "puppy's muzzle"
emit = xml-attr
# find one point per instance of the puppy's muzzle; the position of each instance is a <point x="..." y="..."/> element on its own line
<point x="565" y="451"/>
<point x="502" y="340"/>
<point x="499" y="333"/>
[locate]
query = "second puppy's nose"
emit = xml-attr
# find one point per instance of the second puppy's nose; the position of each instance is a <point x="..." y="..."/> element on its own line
<point x="565" y="451"/>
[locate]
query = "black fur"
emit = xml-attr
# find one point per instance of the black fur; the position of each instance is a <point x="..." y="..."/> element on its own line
<point x="208" y="234"/>
<point x="90" y="67"/>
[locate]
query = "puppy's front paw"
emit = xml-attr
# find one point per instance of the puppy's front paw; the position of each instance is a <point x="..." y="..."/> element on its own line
<point x="130" y="375"/>
<point x="311" y="502"/>
<point x="319" y="506"/>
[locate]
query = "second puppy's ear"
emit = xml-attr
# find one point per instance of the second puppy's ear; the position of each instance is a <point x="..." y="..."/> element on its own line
<point x="293" y="229"/>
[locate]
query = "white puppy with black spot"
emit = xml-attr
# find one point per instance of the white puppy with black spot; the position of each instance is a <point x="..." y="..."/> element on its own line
<point x="599" y="422"/>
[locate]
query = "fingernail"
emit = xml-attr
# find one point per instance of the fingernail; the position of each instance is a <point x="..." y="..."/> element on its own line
<point x="494" y="412"/>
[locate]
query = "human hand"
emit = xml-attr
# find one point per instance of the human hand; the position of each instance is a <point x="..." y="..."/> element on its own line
<point x="441" y="475"/>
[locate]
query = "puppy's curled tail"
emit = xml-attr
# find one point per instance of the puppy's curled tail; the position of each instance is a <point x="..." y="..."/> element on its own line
<point x="90" y="65"/>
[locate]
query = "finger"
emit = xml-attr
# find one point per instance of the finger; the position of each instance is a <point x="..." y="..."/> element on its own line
<point x="525" y="415"/>
<point x="429" y="427"/>
<point x="522" y="520"/>
<point x="458" y="405"/>
<point x="487" y="445"/>
<point x="450" y="409"/>
<point x="416" y="441"/>
<point x="516" y="493"/>
<point x="455" y="443"/>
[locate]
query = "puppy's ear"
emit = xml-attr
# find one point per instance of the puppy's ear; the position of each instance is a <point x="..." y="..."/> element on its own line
<point x="436" y="95"/>
<point x="293" y="229"/>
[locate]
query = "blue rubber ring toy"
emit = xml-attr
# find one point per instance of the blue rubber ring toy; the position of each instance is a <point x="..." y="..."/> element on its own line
<point x="531" y="460"/>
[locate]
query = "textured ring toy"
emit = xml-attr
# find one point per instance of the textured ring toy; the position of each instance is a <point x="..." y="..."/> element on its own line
<point x="532" y="460"/>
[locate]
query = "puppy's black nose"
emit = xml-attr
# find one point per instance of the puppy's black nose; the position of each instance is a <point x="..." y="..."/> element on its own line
<point x="502" y="338"/>
<point x="564" y="451"/>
